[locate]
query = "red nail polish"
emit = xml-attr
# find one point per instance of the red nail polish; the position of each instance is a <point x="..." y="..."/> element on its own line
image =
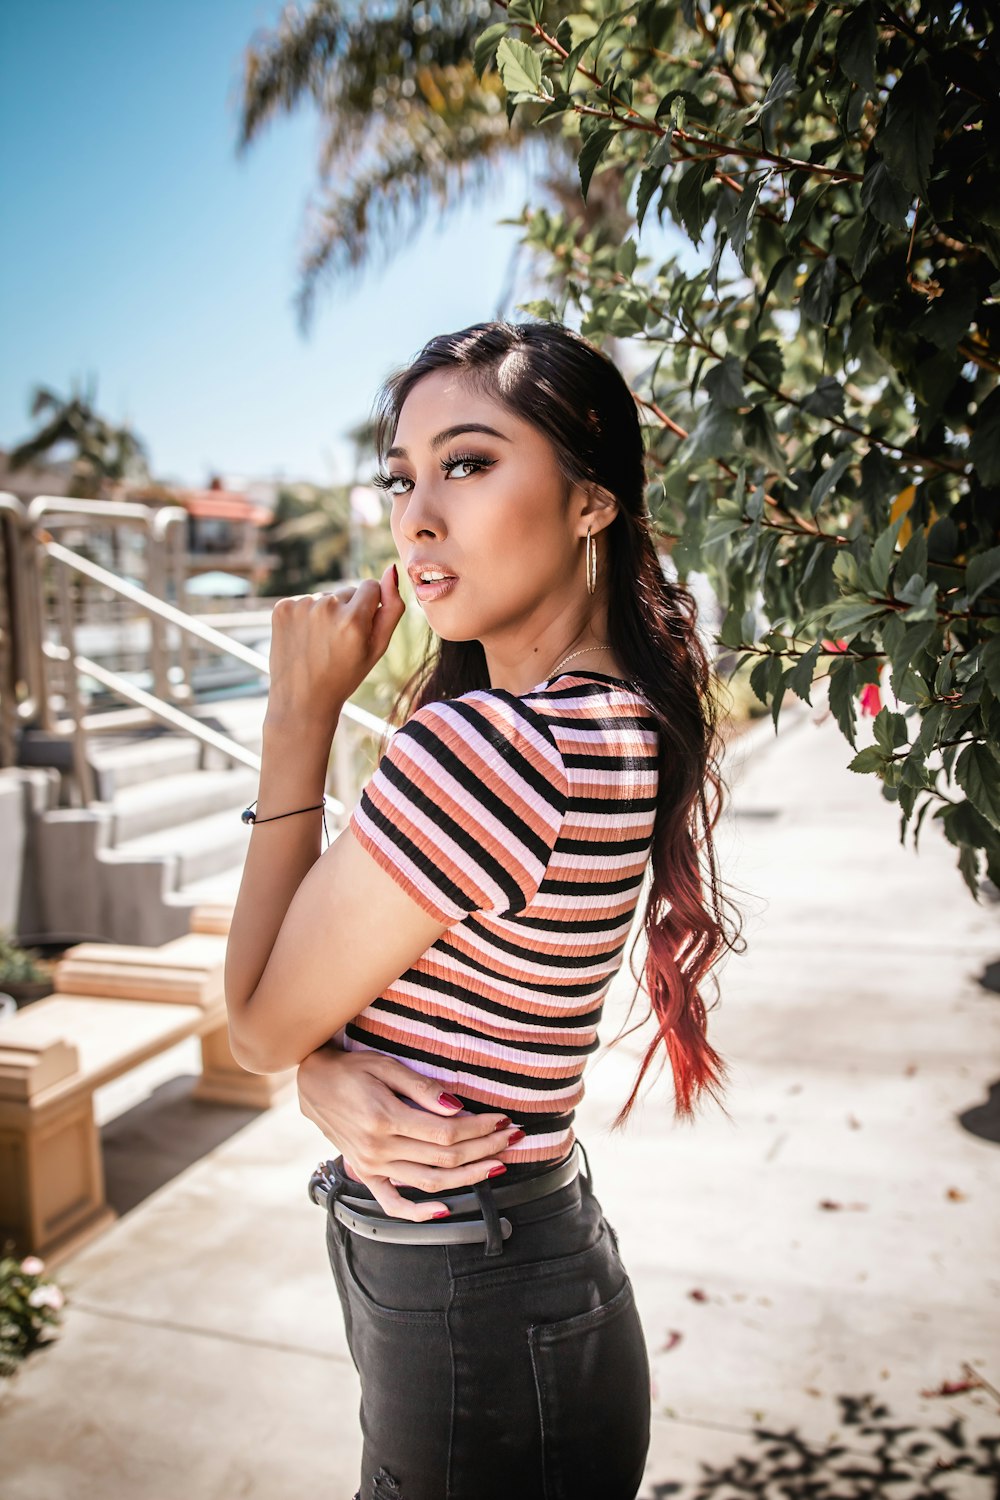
<point x="395" y="574"/>
<point x="515" y="1135"/>
<point x="450" y="1101"/>
<point x="442" y="1213"/>
<point x="495" y="1171"/>
<point x="503" y="1123"/>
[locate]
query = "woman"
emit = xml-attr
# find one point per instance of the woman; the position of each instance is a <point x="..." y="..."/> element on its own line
<point x="560" y="737"/>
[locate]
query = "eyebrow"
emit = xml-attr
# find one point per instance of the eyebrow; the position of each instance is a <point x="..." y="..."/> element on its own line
<point x="451" y="432"/>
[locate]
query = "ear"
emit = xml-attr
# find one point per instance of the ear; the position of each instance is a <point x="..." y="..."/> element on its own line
<point x="598" y="506"/>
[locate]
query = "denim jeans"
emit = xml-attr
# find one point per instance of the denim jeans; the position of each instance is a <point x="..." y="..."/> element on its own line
<point x="518" y="1376"/>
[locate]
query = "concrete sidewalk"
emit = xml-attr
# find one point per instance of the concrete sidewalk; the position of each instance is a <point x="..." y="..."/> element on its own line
<point x="806" y="1271"/>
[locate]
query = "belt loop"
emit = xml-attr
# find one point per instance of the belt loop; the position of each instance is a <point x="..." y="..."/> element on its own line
<point x="494" y="1234"/>
<point x="583" y="1150"/>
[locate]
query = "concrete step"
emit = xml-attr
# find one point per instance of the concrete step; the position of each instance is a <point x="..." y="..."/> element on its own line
<point x="200" y="848"/>
<point x="222" y="887"/>
<point x="134" y="761"/>
<point x="170" y="800"/>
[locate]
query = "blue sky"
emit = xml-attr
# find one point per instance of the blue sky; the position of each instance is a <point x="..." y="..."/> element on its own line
<point x="138" y="248"/>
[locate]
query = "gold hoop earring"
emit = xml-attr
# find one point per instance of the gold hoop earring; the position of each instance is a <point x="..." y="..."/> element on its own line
<point x="591" y="563"/>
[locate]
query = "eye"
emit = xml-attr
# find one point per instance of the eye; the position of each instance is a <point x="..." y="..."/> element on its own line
<point x="386" y="482"/>
<point x="477" y="461"/>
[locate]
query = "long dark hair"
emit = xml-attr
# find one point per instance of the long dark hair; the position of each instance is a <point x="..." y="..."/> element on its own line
<point x="576" y="396"/>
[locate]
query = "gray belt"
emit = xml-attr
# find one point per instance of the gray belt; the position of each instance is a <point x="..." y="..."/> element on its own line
<point x="364" y="1216"/>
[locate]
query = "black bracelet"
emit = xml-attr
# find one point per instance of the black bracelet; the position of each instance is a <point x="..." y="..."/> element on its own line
<point x="249" y="816"/>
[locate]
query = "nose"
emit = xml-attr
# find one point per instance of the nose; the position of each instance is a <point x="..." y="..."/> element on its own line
<point x="420" y="515"/>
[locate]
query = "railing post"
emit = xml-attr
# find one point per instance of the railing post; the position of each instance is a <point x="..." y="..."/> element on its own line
<point x="74" y="702"/>
<point x="156" y="583"/>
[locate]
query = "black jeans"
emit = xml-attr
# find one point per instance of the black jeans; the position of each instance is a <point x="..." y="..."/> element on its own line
<point x="520" y="1376"/>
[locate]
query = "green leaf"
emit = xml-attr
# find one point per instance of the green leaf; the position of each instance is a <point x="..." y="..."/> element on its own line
<point x="905" y="137"/>
<point x="782" y="84"/>
<point x="984" y="450"/>
<point x="843" y="686"/>
<point x="761" y="437"/>
<point x="711" y="436"/>
<point x="871" y="758"/>
<point x="572" y="60"/>
<point x="816" y="300"/>
<point x="913" y="640"/>
<point x="924" y="596"/>
<point x="977" y="772"/>
<point x="982" y="571"/>
<point x="767" y="356"/>
<point x="739" y="225"/>
<point x="724" y="382"/>
<point x="593" y="149"/>
<point x="810" y="33"/>
<point x="883" y="550"/>
<point x="485" y="49"/>
<point x="889" y="729"/>
<point x="883" y="195"/>
<point x="649" y="181"/>
<point x="948" y="317"/>
<point x="827" y="400"/>
<point x="520" y="68"/>
<point x="693" y="209"/>
<point x="856" y="42"/>
<point x="828" y="480"/>
<point x="990" y="663"/>
<point x="773" y="277"/>
<point x="800" y="678"/>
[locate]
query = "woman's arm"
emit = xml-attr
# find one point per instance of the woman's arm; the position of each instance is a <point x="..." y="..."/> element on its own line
<point x="313" y="939"/>
<point x="357" y="1100"/>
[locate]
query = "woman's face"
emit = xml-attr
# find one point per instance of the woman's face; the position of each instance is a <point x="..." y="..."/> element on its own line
<point x="493" y="509"/>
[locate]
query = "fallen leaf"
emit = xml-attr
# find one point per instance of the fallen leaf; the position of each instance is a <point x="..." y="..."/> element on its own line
<point x="673" y="1338"/>
<point x="955" y="1195"/>
<point x="697" y="1295"/>
<point x="952" y="1388"/>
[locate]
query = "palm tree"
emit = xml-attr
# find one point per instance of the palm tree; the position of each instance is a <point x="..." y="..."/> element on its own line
<point x="106" y="456"/>
<point x="406" y="122"/>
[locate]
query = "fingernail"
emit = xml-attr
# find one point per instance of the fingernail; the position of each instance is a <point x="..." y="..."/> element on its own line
<point x="442" y="1213"/>
<point x="395" y="575"/>
<point x="515" y="1135"/>
<point x="495" y="1171"/>
<point x="449" y="1101"/>
<point x="503" y="1122"/>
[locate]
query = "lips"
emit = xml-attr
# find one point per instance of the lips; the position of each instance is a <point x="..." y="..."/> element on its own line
<point x="415" y="570"/>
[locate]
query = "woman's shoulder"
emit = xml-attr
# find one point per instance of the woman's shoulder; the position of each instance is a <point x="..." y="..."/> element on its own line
<point x="487" y="728"/>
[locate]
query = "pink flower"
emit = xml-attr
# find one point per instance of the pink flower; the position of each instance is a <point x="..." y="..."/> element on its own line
<point x="870" y="699"/>
<point x="32" y="1266"/>
<point x="46" y="1296"/>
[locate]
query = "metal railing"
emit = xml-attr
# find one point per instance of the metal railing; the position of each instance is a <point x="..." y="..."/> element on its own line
<point x="29" y="544"/>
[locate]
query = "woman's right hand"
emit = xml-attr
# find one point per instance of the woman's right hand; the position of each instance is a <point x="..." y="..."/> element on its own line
<point x="354" y="1099"/>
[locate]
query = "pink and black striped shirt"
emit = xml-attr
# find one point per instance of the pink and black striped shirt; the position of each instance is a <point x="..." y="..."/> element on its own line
<point x="526" y="822"/>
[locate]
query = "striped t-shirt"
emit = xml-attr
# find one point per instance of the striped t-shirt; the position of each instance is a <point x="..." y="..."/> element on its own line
<point x="526" y="822"/>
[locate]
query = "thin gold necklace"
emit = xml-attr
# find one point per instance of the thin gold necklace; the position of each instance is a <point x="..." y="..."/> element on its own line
<point x="582" y="652"/>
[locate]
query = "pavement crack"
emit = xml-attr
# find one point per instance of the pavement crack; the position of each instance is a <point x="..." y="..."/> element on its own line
<point x="222" y="1335"/>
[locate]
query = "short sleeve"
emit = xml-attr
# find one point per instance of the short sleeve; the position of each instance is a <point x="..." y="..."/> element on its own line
<point x="465" y="806"/>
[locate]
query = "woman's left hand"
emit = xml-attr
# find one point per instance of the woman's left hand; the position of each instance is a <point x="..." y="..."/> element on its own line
<point x="324" y="645"/>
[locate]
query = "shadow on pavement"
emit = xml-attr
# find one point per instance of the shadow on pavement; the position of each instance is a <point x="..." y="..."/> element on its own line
<point x="875" y="1458"/>
<point x="148" y="1145"/>
<point x="984" y="1119"/>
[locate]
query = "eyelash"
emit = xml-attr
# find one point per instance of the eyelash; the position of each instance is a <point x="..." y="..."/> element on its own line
<point x="385" y="481"/>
